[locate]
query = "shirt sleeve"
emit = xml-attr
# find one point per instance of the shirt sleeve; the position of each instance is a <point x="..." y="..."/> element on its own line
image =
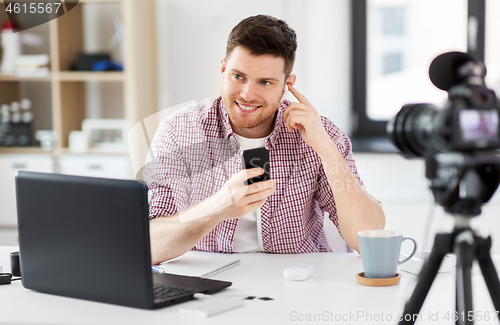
<point x="166" y="174"/>
<point x="325" y="195"/>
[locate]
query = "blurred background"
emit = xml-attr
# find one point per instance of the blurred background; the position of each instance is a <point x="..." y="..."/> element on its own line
<point x="91" y="85"/>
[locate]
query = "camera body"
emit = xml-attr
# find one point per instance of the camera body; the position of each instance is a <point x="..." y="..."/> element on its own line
<point x="468" y="121"/>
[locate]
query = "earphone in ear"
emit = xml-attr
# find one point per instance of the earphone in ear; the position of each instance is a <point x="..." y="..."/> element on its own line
<point x="222" y="76"/>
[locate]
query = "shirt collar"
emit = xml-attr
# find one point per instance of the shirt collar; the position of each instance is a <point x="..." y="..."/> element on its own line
<point x="279" y="124"/>
<point x="227" y="130"/>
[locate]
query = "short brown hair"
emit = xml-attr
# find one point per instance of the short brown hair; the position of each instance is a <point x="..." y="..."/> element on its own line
<point x="264" y="34"/>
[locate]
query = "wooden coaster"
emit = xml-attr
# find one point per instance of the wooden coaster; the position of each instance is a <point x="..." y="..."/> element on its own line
<point x="382" y="282"/>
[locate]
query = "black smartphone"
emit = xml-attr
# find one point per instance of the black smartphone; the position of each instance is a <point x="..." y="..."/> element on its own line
<point x="258" y="157"/>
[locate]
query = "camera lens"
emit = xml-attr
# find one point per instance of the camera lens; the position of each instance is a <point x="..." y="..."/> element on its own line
<point x="411" y="128"/>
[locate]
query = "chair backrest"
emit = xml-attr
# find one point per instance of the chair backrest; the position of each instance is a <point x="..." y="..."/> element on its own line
<point x="336" y="242"/>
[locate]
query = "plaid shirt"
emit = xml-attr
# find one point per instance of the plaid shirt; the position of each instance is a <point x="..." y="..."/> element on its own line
<point x="194" y="153"/>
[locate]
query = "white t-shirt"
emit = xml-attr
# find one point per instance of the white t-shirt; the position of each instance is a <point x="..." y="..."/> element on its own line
<point x="248" y="234"/>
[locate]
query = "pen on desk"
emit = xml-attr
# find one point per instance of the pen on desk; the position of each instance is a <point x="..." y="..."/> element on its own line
<point x="157" y="269"/>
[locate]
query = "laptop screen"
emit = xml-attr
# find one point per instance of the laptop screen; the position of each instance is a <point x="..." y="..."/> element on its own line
<point x="85" y="237"/>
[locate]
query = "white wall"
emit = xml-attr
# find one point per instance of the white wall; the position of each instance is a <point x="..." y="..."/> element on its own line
<point x="192" y="37"/>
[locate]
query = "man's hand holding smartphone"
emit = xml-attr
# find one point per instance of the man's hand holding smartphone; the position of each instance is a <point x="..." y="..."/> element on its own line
<point x="236" y="199"/>
<point x="248" y="189"/>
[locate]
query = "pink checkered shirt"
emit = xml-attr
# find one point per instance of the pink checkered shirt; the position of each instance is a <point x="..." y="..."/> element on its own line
<point x="194" y="153"/>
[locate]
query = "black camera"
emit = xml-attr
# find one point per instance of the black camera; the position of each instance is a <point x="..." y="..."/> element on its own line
<point x="460" y="145"/>
<point x="458" y="142"/>
<point x="468" y="121"/>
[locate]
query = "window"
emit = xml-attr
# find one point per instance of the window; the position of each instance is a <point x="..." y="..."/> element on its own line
<point x="492" y="49"/>
<point x="394" y="42"/>
<point x="392" y="62"/>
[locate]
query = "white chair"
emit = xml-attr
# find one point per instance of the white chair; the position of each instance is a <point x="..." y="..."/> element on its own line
<point x="336" y="242"/>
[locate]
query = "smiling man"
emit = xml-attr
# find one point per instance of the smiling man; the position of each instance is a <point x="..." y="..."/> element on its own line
<point x="197" y="195"/>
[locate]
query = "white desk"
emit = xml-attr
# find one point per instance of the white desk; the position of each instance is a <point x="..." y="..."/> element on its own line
<point x="330" y="295"/>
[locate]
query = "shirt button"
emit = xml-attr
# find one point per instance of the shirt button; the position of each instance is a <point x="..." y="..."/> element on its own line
<point x="230" y="232"/>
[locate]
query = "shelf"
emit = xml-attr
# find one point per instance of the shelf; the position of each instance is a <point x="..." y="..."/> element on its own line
<point x="13" y="77"/>
<point x="76" y="95"/>
<point x="59" y="151"/>
<point x="24" y="150"/>
<point x="93" y="151"/>
<point x="70" y="76"/>
<point x="89" y="76"/>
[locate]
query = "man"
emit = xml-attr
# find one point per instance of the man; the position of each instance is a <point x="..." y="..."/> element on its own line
<point x="198" y="199"/>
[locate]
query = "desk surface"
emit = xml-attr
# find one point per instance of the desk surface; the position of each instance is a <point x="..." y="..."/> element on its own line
<point x="331" y="295"/>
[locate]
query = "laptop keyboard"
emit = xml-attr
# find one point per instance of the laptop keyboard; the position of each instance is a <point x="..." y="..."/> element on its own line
<point x="164" y="292"/>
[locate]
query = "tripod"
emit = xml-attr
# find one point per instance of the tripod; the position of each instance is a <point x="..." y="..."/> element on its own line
<point x="467" y="247"/>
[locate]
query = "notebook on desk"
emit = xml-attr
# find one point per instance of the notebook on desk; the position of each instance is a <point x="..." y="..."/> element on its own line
<point x="88" y="238"/>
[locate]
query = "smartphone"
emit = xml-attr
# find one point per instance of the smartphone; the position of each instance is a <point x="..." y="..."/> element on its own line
<point x="258" y="157"/>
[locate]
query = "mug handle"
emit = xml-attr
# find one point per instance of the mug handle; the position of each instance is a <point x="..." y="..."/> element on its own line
<point x="412" y="253"/>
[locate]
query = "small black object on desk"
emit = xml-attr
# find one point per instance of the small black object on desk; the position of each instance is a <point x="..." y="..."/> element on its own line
<point x="14" y="264"/>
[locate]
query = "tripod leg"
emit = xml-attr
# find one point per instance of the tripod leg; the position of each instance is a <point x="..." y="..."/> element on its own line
<point x="442" y="246"/>
<point x="488" y="269"/>
<point x="464" y="250"/>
